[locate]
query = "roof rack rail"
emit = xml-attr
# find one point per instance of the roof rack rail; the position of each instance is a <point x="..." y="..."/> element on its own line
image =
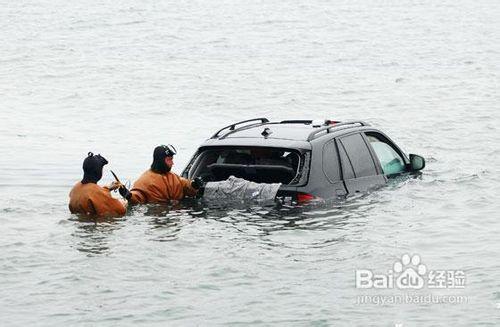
<point x="315" y="123"/>
<point x="233" y="126"/>
<point x="296" y="121"/>
<point x="313" y="134"/>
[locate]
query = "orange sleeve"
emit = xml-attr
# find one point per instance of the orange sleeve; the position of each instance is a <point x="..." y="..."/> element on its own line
<point x="138" y="197"/>
<point x="139" y="190"/>
<point x="187" y="188"/>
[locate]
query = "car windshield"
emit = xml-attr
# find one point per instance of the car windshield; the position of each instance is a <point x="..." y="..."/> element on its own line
<point x="256" y="164"/>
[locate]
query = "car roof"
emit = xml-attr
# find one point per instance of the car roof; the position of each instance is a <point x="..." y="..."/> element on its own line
<point x="258" y="142"/>
<point x="286" y="134"/>
<point x="277" y="131"/>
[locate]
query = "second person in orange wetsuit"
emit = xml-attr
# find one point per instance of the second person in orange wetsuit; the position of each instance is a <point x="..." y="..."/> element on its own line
<point x="89" y="199"/>
<point x="159" y="184"/>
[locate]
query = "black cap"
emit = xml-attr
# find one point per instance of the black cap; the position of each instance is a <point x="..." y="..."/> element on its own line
<point x="92" y="168"/>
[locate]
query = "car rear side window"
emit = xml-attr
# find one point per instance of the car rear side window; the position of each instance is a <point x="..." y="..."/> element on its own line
<point x="331" y="162"/>
<point x="359" y="155"/>
<point x="347" y="171"/>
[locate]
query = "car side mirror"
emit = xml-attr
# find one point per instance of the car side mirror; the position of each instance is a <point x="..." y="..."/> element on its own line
<point x="416" y="162"/>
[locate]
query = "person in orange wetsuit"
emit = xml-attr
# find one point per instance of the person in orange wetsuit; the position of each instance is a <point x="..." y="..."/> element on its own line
<point x="90" y="199"/>
<point x="159" y="184"/>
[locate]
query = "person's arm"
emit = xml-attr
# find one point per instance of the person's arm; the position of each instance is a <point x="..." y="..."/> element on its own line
<point x="134" y="196"/>
<point x="190" y="187"/>
<point x="137" y="197"/>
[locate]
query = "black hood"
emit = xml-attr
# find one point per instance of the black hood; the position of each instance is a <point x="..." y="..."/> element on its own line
<point x="92" y="168"/>
<point x="160" y="153"/>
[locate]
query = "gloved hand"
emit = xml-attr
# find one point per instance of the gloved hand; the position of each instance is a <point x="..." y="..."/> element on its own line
<point x="197" y="183"/>
<point x="114" y="185"/>
<point x="125" y="192"/>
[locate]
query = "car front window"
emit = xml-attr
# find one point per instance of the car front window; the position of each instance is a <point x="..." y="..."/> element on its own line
<point x="389" y="158"/>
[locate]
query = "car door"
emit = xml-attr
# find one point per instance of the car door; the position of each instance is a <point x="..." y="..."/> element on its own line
<point x="359" y="170"/>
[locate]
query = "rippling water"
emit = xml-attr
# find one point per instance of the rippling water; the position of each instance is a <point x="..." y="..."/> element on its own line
<point x="121" y="77"/>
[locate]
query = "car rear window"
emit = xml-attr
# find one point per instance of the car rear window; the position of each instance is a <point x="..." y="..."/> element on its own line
<point x="256" y="164"/>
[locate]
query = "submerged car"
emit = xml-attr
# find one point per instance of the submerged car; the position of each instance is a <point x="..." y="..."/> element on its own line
<point x="311" y="159"/>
